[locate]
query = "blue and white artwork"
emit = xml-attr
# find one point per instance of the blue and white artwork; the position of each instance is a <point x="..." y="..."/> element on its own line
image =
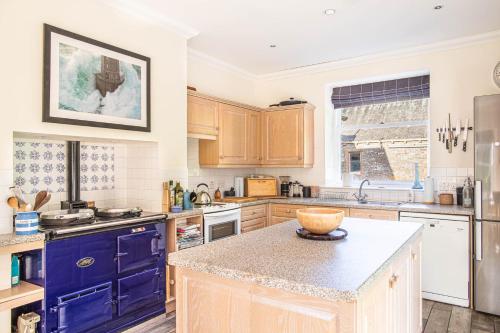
<point x="87" y="82"/>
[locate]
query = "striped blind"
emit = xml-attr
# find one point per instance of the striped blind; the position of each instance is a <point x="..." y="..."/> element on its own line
<point x="381" y="92"/>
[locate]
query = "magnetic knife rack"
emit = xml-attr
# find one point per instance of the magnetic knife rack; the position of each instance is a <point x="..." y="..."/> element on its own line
<point x="450" y="135"/>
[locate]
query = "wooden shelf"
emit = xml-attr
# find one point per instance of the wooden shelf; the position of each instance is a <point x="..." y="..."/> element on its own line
<point x="22" y="294"/>
<point x="22" y="247"/>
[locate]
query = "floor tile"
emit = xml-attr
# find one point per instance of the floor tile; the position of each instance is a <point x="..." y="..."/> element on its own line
<point x="438" y="321"/>
<point x="426" y="308"/>
<point x="460" y="320"/>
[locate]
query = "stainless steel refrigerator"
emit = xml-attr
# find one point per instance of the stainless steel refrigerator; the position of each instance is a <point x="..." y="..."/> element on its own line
<point x="487" y="204"/>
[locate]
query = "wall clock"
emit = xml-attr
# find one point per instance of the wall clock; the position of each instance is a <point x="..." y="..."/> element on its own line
<point x="496" y="74"/>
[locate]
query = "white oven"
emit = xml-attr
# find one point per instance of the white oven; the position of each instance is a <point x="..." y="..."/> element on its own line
<point x="221" y="224"/>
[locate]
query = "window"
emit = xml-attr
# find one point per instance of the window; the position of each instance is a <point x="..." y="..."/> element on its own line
<point x="354" y="162"/>
<point x="382" y="138"/>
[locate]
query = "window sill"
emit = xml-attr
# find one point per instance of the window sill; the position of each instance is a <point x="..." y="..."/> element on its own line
<point x="370" y="187"/>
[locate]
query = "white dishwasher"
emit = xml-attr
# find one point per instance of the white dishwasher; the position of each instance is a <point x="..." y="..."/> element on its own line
<point x="445" y="256"/>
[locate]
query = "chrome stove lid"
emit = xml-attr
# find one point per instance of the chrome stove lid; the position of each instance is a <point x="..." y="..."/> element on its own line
<point x="66" y="217"/>
<point x="119" y="212"/>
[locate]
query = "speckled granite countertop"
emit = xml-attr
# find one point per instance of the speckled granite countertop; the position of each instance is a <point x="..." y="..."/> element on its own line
<point x="184" y="213"/>
<point x="405" y="207"/>
<point x="276" y="257"/>
<point x="13" y="239"/>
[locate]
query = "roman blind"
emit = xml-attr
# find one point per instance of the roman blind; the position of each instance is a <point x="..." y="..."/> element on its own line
<point x="381" y="92"/>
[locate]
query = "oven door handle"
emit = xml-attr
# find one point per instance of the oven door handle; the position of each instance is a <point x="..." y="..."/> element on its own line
<point x="224" y="213"/>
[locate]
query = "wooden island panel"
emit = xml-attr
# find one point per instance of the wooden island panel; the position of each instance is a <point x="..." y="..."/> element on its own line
<point x="210" y="304"/>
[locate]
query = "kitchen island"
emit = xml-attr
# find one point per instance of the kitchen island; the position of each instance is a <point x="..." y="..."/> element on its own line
<point x="270" y="280"/>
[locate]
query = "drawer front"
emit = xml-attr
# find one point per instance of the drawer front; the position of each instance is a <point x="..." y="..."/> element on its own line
<point x="285" y="210"/>
<point x="253" y="212"/>
<point x="345" y="210"/>
<point x="253" y="224"/>
<point x="276" y="220"/>
<point x="374" y="214"/>
<point x="252" y="228"/>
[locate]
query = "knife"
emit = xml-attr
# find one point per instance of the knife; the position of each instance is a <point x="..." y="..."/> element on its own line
<point x="450" y="135"/>
<point x="447" y="139"/>
<point x="456" y="133"/>
<point x="466" y="129"/>
<point x="444" y="131"/>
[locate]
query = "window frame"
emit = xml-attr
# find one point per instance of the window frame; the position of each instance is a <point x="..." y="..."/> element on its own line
<point x="332" y="126"/>
<point x="349" y="162"/>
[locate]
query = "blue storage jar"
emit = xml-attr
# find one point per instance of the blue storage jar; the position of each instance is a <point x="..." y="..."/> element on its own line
<point x="26" y="223"/>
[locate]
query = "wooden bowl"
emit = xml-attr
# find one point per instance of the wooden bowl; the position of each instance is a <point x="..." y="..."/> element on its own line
<point x="320" y="220"/>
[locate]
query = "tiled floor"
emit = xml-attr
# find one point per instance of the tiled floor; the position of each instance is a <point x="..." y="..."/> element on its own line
<point x="445" y="318"/>
<point x="437" y="317"/>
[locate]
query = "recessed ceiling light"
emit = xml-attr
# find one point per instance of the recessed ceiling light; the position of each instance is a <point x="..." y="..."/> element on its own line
<point x="438" y="7"/>
<point x="329" y="11"/>
<point x="272" y="46"/>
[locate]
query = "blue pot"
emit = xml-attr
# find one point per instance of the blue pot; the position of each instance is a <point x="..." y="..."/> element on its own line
<point x="26" y="223"/>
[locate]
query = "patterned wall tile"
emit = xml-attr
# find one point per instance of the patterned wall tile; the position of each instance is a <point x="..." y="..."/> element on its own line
<point x="97" y="167"/>
<point x="42" y="165"/>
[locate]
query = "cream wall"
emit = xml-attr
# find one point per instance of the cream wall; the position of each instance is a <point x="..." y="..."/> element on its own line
<point x="21" y="26"/>
<point x="457" y="75"/>
<point x="211" y="77"/>
<point x="21" y="56"/>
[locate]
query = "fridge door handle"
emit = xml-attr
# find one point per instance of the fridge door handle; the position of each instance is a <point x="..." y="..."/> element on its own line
<point x="478" y="191"/>
<point x="479" y="238"/>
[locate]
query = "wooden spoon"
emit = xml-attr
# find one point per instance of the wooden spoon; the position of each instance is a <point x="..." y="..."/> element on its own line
<point x="44" y="201"/>
<point x="40" y="196"/>
<point x="13" y="202"/>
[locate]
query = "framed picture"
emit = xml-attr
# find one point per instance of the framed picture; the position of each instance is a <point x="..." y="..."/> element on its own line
<point x="90" y="83"/>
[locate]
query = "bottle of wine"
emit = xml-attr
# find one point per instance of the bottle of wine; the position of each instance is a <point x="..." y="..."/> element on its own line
<point x="179" y="195"/>
<point x="172" y="193"/>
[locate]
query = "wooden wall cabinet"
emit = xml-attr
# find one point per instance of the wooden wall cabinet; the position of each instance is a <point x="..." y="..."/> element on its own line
<point x="288" y="136"/>
<point x="238" y="142"/>
<point x="202" y="117"/>
<point x="238" y="135"/>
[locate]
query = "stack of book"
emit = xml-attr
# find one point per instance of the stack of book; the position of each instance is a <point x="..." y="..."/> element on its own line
<point x="188" y="235"/>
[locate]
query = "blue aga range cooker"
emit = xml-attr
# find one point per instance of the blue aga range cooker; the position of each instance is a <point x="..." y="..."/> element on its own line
<point x="104" y="276"/>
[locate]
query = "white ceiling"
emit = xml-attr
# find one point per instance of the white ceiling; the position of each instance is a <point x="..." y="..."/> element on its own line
<point x="240" y="32"/>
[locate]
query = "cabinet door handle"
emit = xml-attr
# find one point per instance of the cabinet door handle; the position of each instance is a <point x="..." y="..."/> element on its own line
<point x="300" y="158"/>
<point x="413" y="256"/>
<point x="172" y="282"/>
<point x="222" y="157"/>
